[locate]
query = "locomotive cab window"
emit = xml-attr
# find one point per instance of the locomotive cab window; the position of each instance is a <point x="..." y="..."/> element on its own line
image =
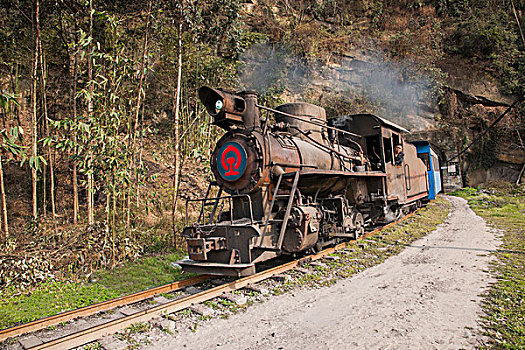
<point x="396" y="140"/>
<point x="387" y="145"/>
<point x="373" y="149"/>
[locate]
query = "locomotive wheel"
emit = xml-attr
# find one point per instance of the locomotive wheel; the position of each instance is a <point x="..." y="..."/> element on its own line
<point x="359" y="224"/>
<point x="398" y="213"/>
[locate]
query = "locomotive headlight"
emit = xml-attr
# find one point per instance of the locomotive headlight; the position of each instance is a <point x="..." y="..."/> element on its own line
<point x="218" y="106"/>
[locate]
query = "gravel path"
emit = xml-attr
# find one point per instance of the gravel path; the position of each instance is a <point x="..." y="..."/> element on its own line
<point x="427" y="297"/>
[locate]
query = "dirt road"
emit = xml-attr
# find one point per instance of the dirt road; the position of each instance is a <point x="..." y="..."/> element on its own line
<point x="427" y="297"/>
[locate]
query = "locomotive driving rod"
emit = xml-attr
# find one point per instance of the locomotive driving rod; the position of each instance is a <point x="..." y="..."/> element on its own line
<point x="307" y="121"/>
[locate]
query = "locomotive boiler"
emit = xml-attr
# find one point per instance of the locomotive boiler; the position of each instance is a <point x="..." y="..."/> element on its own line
<point x="294" y="184"/>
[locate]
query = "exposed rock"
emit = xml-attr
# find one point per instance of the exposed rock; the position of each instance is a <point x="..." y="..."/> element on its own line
<point x="303" y="271"/>
<point x="281" y="278"/>
<point x="112" y="343"/>
<point x="159" y="299"/>
<point x="30" y="341"/>
<point x="127" y="311"/>
<point x="238" y="299"/>
<point x="202" y="310"/>
<point x="258" y="289"/>
<point x="164" y="324"/>
<point x="319" y="264"/>
<point x="192" y="290"/>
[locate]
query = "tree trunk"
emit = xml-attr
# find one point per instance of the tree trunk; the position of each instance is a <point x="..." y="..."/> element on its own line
<point x="131" y="143"/>
<point x="34" y="175"/>
<point x="520" y="174"/>
<point x="176" y="155"/>
<point x="113" y="234"/>
<point x="74" y="134"/>
<point x="518" y="22"/>
<point x="43" y="71"/>
<point x="90" y="197"/>
<point x="4" y="202"/>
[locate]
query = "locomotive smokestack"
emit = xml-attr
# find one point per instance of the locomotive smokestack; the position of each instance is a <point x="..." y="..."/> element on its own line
<point x="251" y="113"/>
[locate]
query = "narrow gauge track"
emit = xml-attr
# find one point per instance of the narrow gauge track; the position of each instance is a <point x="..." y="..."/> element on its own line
<point x="99" y="307"/>
<point x="96" y="332"/>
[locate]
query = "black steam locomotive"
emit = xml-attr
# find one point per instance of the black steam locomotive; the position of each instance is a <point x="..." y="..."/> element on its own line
<point x="296" y="184"/>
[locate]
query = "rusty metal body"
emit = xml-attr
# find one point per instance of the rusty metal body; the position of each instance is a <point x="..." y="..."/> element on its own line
<point x="299" y="184"/>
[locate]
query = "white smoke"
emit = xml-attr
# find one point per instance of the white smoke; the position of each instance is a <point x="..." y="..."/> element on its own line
<point x="369" y="76"/>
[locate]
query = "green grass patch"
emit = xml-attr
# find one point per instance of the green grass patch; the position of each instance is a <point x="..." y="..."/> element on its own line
<point x="49" y="299"/>
<point x="503" y="207"/>
<point x="54" y="297"/>
<point x="143" y="274"/>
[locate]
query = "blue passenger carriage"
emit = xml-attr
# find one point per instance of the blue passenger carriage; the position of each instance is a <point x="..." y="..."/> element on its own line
<point x="431" y="160"/>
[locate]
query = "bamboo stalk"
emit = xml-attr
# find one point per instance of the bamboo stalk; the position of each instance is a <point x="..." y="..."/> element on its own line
<point x="34" y="175"/>
<point x="176" y="130"/>
<point x="4" y="202"/>
<point x="90" y="206"/>
<point x="74" y="133"/>
<point x="113" y="226"/>
<point x="137" y="114"/>
<point x="43" y="71"/>
<point x="520" y="174"/>
<point x="518" y="22"/>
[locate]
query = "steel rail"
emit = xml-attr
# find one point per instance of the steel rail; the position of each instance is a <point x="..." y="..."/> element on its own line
<point x="99" y="307"/>
<point x="96" y="332"/>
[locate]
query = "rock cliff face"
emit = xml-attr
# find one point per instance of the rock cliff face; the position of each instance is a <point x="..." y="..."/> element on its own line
<point x="352" y="82"/>
<point x="358" y="74"/>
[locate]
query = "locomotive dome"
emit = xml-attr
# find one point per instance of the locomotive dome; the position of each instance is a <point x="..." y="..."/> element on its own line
<point x="306" y="111"/>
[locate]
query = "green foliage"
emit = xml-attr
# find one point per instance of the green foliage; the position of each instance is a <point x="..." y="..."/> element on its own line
<point x="464" y="192"/>
<point x="484" y="153"/>
<point x="489" y="32"/>
<point x="6" y="101"/>
<point x="50" y="298"/>
<point x="11" y="142"/>
<point x="138" y="328"/>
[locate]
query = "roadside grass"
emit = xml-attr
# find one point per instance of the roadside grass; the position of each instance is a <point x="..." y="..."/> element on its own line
<point x="145" y="273"/>
<point x="54" y="297"/>
<point x="358" y="256"/>
<point x="503" y="207"/>
<point x="48" y="299"/>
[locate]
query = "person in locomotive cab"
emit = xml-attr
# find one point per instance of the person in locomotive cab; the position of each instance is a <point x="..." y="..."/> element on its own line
<point x="398" y="155"/>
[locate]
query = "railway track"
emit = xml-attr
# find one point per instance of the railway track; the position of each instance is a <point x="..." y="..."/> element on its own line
<point x="96" y="308"/>
<point x="98" y="331"/>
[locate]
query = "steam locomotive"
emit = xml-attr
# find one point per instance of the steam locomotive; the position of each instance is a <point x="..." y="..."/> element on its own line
<point x="294" y="181"/>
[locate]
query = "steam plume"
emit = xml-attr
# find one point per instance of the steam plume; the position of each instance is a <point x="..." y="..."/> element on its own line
<point x="366" y="76"/>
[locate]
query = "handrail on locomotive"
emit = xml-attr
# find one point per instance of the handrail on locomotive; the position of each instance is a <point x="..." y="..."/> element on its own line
<point x="215" y="205"/>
